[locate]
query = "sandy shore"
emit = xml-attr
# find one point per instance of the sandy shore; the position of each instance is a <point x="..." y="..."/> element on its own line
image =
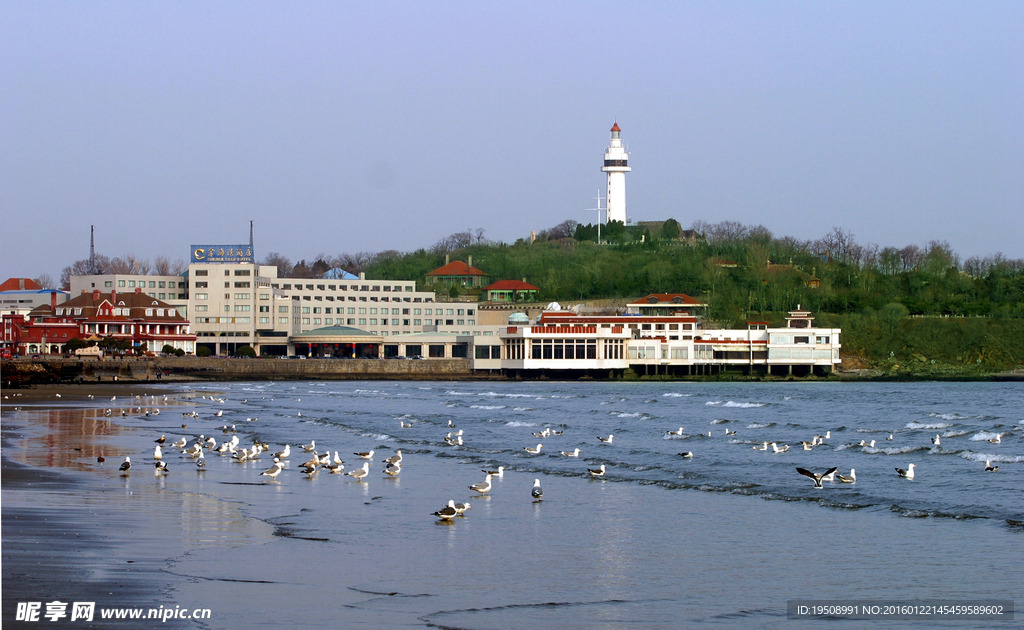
<point x="57" y="546"/>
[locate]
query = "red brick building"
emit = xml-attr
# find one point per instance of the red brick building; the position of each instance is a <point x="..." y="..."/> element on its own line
<point x="144" y="322"/>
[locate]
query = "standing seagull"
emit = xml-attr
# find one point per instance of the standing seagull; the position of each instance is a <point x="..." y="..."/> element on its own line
<point x="161" y="468"/>
<point x="448" y="512"/>
<point x="817" y="478"/>
<point x="360" y="473"/>
<point x="126" y="465"/>
<point x="537" y="492"/>
<point x="483" y="487"/>
<point x="908" y="473"/>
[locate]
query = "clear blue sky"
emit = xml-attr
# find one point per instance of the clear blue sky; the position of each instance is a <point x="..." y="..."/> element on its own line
<point x="364" y="126"/>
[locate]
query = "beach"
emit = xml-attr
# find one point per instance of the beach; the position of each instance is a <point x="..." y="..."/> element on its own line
<point x="628" y="551"/>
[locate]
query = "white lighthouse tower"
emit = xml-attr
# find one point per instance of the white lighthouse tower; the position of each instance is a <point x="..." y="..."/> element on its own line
<point x="616" y="165"/>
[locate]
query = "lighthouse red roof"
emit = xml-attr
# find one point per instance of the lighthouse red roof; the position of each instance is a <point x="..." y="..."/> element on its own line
<point x="615" y="127"/>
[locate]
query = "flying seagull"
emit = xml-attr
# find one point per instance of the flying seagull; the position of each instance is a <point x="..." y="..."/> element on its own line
<point x="817" y="478"/>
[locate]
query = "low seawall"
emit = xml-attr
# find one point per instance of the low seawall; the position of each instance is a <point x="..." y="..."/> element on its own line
<point x="21" y="372"/>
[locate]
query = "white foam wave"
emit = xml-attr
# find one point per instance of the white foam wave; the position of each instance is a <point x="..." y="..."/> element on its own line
<point x="675" y="395"/>
<point x="501" y="395"/>
<point x="760" y="425"/>
<point x="522" y="408"/>
<point x="984" y="436"/>
<point x="1000" y="459"/>
<point x="950" y="434"/>
<point x="928" y="425"/>
<point x="733" y="404"/>
<point x="487" y="406"/>
<point x="948" y="416"/>
<point x="628" y="415"/>
<point x="520" y="423"/>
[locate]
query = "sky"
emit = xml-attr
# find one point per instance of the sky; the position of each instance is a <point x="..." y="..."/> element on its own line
<point x="343" y="127"/>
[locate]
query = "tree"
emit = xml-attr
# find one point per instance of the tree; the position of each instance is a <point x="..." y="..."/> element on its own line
<point x="671" y="230"/>
<point x="245" y="351"/>
<point x="283" y="264"/>
<point x="75" y="344"/>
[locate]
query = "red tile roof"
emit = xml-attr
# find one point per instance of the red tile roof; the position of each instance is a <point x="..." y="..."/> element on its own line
<point x="20" y="284"/>
<point x="615" y="127"/>
<point x="510" y="285"/>
<point x="456" y="268"/>
<point x="669" y="298"/>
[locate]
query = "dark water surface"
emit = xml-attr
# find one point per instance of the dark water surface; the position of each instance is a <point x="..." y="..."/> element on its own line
<point x="722" y="539"/>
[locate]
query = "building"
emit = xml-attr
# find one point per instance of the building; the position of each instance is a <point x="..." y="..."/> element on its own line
<point x="458" y="273"/>
<point x="563" y="342"/>
<point x="510" y="291"/>
<point x="21" y="295"/>
<point x="143" y="322"/>
<point x="616" y="165"/>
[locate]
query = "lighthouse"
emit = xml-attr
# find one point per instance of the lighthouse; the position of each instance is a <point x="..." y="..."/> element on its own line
<point x="616" y="165"/>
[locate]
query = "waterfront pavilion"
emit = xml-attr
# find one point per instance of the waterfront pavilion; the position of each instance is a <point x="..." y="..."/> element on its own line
<point x="335" y="342"/>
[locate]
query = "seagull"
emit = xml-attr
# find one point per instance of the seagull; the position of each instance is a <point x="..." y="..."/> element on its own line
<point x="462" y="507"/>
<point x="728" y="432"/>
<point x="126" y="465"/>
<point x="870" y="444"/>
<point x="405" y="425"/>
<point x="451" y="425"/>
<point x="779" y="449"/>
<point x="606" y="440"/>
<point x="543" y="434"/>
<point x="365" y="455"/>
<point x="161" y="440"/>
<point x="201" y="461"/>
<point x="537" y="492"/>
<point x="686" y="454"/>
<point x="937" y="440"/>
<point x="274" y="470"/>
<point x="360" y="473"/>
<point x="989" y="467"/>
<point x="483" y="487"/>
<point x="890" y="438"/>
<point x="908" y="473"/>
<point x="284" y="453"/>
<point x="852" y="478"/>
<point x="309" y="471"/>
<point x="597" y="472"/>
<point x="157" y="453"/>
<point x="533" y="450"/>
<point x="309" y="448"/>
<point x="395" y="459"/>
<point x="499" y="473"/>
<point x="392" y="469"/>
<point x="336" y="467"/>
<point x="575" y="453"/>
<point x="763" y="447"/>
<point x="160" y="468"/>
<point x="817" y="478"/>
<point x="678" y="431"/>
<point x="997" y="439"/>
<point x="448" y="512"/>
<point x="807" y="445"/>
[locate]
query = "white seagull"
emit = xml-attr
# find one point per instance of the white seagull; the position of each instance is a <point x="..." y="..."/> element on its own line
<point x="274" y="470"/>
<point x="937" y="440"/>
<point x="678" y="431"/>
<point x="597" y="472"/>
<point x="309" y="448"/>
<point x="395" y="459"/>
<point x="284" y="453"/>
<point x="448" y="512"/>
<point x="536" y="492"/>
<point x="686" y="454"/>
<point x="575" y="453"/>
<point x="392" y="469"/>
<point x="462" y="507"/>
<point x="817" y="478"/>
<point x="160" y="468"/>
<point x="360" y="473"/>
<point x="533" y="450"/>
<point x="500" y="472"/>
<point x="365" y="455"/>
<point x="852" y="478"/>
<point x="126" y="465"/>
<point x="763" y="447"/>
<point x="606" y="440"/>
<point x="483" y="487"/>
<point x="157" y="453"/>
<point x="989" y="467"/>
<point x="908" y="473"/>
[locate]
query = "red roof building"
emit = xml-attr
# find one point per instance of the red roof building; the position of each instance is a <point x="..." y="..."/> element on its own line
<point x="510" y="291"/>
<point x="458" y="272"/>
<point x="146" y="323"/>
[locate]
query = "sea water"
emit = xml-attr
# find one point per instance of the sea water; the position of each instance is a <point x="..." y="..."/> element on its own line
<point x="726" y="538"/>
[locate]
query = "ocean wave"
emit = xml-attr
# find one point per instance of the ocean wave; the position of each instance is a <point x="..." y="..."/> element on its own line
<point x="523" y="409"/>
<point x="624" y="414"/>
<point x="951" y="434"/>
<point x="984" y="436"/>
<point x="928" y="425"/>
<point x="733" y="404"/>
<point x="999" y="459"/>
<point x="487" y="406"/>
<point x="893" y="450"/>
<point x="675" y="395"/>
<point x="760" y="425"/>
<point x="520" y="423"/>
<point x="948" y="416"/>
<point x="720" y="420"/>
<point x="500" y="395"/>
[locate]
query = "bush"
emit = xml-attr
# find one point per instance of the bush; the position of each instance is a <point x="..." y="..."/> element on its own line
<point x="246" y="352"/>
<point x="203" y="351"/>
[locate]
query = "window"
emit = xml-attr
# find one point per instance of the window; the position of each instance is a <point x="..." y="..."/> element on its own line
<point x="821" y="339"/>
<point x="244" y="308"/>
<point x="282" y="309"/>
<point x="201" y="296"/>
<point x="202" y="272"/>
<point x="802" y="339"/>
<point x="282" y="320"/>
